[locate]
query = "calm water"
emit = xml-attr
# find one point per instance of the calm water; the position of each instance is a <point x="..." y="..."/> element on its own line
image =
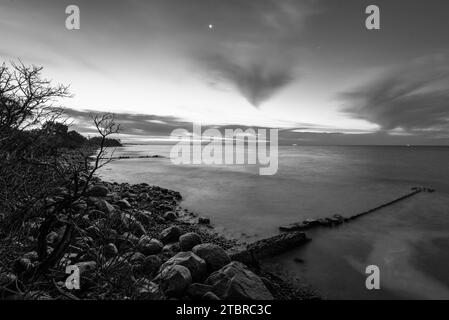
<point x="409" y="241"/>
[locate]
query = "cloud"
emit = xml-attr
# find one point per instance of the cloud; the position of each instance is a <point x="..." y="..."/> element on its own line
<point x="143" y="128"/>
<point x="411" y="98"/>
<point x="256" y="81"/>
<point x="259" y="54"/>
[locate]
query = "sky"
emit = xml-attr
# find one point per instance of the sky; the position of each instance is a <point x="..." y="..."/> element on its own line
<point x="308" y="67"/>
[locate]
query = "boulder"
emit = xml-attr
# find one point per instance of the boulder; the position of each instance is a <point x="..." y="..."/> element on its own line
<point x="93" y="232"/>
<point x="214" y="255"/>
<point x="148" y="290"/>
<point x="86" y="267"/>
<point x="136" y="258"/>
<point x="137" y="228"/>
<point x="174" y="280"/>
<point x="170" y="216"/>
<point x="126" y="241"/>
<point x="79" y="205"/>
<point x="144" y="217"/>
<point x="123" y="204"/>
<point x="191" y="261"/>
<point x="203" y="220"/>
<point x="236" y="282"/>
<point x="188" y="240"/>
<point x="170" y="234"/>
<point x="110" y="250"/>
<point x="151" y="264"/>
<point x="149" y="246"/>
<point x="171" y="248"/>
<point x="105" y="206"/>
<point x="98" y="190"/>
<point x="122" y="220"/>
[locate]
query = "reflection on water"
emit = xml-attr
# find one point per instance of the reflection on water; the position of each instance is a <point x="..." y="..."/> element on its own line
<point x="408" y="241"/>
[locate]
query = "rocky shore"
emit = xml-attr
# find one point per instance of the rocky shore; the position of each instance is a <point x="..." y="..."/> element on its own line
<point x="137" y="242"/>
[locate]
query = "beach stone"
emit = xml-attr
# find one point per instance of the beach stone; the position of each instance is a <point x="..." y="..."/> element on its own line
<point x="149" y="246"/>
<point x="214" y="255"/>
<point x="136" y="258"/>
<point x="203" y="220"/>
<point x="236" y="282"/>
<point x="197" y="290"/>
<point x="175" y="279"/>
<point x="123" y="204"/>
<point x="148" y="290"/>
<point x="80" y="205"/>
<point x="121" y="220"/>
<point x="171" y="248"/>
<point x="130" y="237"/>
<point x="137" y="228"/>
<point x="110" y="250"/>
<point x="191" y="261"/>
<point x="98" y="190"/>
<point x="105" y="206"/>
<point x="144" y="217"/>
<point x="151" y="265"/>
<point x="188" y="240"/>
<point x="93" y="231"/>
<point x="126" y="241"/>
<point x="170" y="216"/>
<point x="170" y="234"/>
<point x="310" y="222"/>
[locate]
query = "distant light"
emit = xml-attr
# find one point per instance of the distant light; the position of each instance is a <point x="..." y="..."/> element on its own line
<point x="211" y="26"/>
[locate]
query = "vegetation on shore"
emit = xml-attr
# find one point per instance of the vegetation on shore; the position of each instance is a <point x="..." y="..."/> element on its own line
<point x="126" y="241"/>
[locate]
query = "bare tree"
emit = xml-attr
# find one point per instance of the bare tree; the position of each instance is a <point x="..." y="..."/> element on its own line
<point x="27" y="99"/>
<point x="80" y="175"/>
<point x="35" y="181"/>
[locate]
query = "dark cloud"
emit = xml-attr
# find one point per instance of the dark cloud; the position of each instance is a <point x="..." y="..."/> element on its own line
<point x="258" y="50"/>
<point x="414" y="97"/>
<point x="255" y="81"/>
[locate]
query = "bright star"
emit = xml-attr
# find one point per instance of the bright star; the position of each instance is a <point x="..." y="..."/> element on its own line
<point x="211" y="26"/>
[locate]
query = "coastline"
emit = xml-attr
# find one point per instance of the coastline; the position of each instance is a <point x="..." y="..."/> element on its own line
<point x="135" y="241"/>
<point x="169" y="201"/>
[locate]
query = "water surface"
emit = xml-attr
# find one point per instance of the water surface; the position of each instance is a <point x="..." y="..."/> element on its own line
<point x="408" y="241"/>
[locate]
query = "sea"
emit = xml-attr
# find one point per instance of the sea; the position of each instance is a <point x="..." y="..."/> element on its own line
<point x="408" y="242"/>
